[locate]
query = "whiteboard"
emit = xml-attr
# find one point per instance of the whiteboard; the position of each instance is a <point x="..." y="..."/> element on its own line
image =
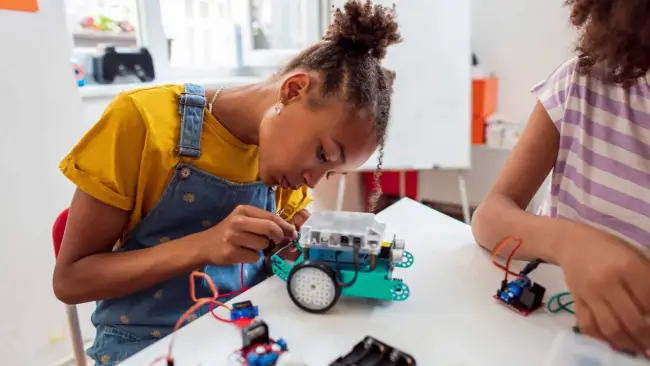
<point x="431" y="108"/>
<point x="41" y="121"/>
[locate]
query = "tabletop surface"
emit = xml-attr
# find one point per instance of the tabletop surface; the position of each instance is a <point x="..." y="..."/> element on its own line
<point x="450" y="318"/>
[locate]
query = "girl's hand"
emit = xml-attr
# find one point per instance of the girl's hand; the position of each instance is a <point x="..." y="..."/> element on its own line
<point x="608" y="280"/>
<point x="300" y="217"/>
<point x="292" y="253"/>
<point x="239" y="237"/>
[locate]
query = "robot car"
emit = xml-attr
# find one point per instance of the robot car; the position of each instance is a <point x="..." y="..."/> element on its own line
<point x="343" y="254"/>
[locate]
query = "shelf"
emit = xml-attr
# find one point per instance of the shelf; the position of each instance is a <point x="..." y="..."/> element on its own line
<point x="91" y="38"/>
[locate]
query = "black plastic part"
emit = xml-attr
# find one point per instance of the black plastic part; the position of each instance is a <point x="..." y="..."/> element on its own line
<point x="242" y="304"/>
<point x="384" y="253"/>
<point x="373" y="352"/>
<point x="532" y="297"/>
<point x="111" y="64"/>
<point x="257" y="332"/>
<point x="531" y="266"/>
<point x="322" y="266"/>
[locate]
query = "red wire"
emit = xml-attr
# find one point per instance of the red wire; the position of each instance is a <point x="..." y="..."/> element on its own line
<point x="496" y="251"/>
<point x="212" y="303"/>
<point x="242" y="283"/>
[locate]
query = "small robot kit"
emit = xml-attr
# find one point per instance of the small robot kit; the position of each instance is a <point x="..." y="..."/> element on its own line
<point x="342" y="254"/>
<point x="372" y="352"/>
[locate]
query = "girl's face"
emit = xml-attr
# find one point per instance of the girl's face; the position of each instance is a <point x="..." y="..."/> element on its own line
<point x="300" y="144"/>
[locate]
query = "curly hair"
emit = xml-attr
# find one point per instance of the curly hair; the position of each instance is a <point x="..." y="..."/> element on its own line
<point x="349" y="62"/>
<point x="615" y="36"/>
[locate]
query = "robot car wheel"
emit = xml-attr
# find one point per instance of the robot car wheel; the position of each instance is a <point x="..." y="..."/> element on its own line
<point x="313" y="286"/>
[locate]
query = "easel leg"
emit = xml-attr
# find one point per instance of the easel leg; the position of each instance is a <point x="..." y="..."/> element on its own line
<point x="341" y="192"/>
<point x="462" y="189"/>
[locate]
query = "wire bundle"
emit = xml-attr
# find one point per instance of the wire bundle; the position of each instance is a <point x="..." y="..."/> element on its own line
<point x="198" y="303"/>
<point x="496" y="251"/>
<point x="560" y="305"/>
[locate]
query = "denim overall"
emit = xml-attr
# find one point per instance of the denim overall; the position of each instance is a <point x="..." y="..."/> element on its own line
<point x="193" y="201"/>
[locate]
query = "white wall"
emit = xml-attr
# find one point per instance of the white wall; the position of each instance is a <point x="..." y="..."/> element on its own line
<point x="521" y="42"/>
<point x="40" y="119"/>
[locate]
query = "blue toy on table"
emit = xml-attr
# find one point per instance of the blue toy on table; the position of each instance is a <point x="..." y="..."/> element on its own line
<point x="243" y="310"/>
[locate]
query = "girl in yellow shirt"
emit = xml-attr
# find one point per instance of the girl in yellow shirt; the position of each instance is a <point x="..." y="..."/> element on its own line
<point x="184" y="179"/>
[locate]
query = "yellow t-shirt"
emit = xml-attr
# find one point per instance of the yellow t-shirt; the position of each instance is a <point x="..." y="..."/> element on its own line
<point x="127" y="159"/>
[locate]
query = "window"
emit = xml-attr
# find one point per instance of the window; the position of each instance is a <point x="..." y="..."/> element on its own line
<point x="96" y="22"/>
<point x="199" y="38"/>
<point x="199" y="33"/>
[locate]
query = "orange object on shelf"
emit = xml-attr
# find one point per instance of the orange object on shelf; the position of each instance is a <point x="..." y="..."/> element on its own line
<point x="19" y="5"/>
<point x="484" y="103"/>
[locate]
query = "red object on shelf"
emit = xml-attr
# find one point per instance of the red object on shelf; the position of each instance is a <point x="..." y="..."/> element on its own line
<point x="390" y="185"/>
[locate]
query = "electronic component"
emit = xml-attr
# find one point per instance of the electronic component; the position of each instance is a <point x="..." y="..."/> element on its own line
<point x="373" y="352"/>
<point x="258" y="349"/>
<point x="343" y="231"/>
<point x="521" y="295"/>
<point x="243" y="309"/>
<point x="342" y="254"/>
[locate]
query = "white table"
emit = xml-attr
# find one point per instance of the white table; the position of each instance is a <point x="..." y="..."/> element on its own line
<point x="449" y="319"/>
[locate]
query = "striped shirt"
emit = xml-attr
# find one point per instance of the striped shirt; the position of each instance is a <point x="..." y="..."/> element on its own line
<point x="602" y="173"/>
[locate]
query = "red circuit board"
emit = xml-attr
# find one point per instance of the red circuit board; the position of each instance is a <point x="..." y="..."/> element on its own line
<point x="518" y="310"/>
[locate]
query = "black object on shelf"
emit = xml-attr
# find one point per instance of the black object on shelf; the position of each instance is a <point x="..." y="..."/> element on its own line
<point x="111" y="64"/>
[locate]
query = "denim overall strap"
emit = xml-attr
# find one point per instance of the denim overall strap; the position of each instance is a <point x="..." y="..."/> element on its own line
<point x="191" y="108"/>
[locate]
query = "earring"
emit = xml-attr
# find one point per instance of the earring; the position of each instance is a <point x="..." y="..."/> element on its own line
<point x="278" y="109"/>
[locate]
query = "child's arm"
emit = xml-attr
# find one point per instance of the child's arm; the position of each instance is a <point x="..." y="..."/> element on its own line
<point x="88" y="270"/>
<point x="503" y="214"/>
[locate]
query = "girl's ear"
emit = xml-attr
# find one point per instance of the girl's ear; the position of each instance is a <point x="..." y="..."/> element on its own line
<point x="294" y="88"/>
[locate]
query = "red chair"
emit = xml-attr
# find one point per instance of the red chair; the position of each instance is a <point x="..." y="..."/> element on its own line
<point x="79" y="354"/>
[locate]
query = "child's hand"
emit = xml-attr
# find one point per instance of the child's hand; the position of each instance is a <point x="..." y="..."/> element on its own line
<point x="300" y="217"/>
<point x="239" y="237"/>
<point x="608" y="280"/>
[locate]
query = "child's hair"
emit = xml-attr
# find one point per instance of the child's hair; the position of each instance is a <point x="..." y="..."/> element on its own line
<point x="349" y="63"/>
<point x="615" y="35"/>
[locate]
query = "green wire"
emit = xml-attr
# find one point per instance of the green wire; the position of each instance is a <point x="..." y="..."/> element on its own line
<point x="561" y="306"/>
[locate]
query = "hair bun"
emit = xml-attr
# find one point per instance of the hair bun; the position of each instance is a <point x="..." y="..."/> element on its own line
<point x="364" y="27"/>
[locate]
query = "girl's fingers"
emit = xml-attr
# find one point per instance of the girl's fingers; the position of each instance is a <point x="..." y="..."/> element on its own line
<point x="586" y="320"/>
<point x="610" y="327"/>
<point x="630" y="315"/>
<point x="260" y="227"/>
